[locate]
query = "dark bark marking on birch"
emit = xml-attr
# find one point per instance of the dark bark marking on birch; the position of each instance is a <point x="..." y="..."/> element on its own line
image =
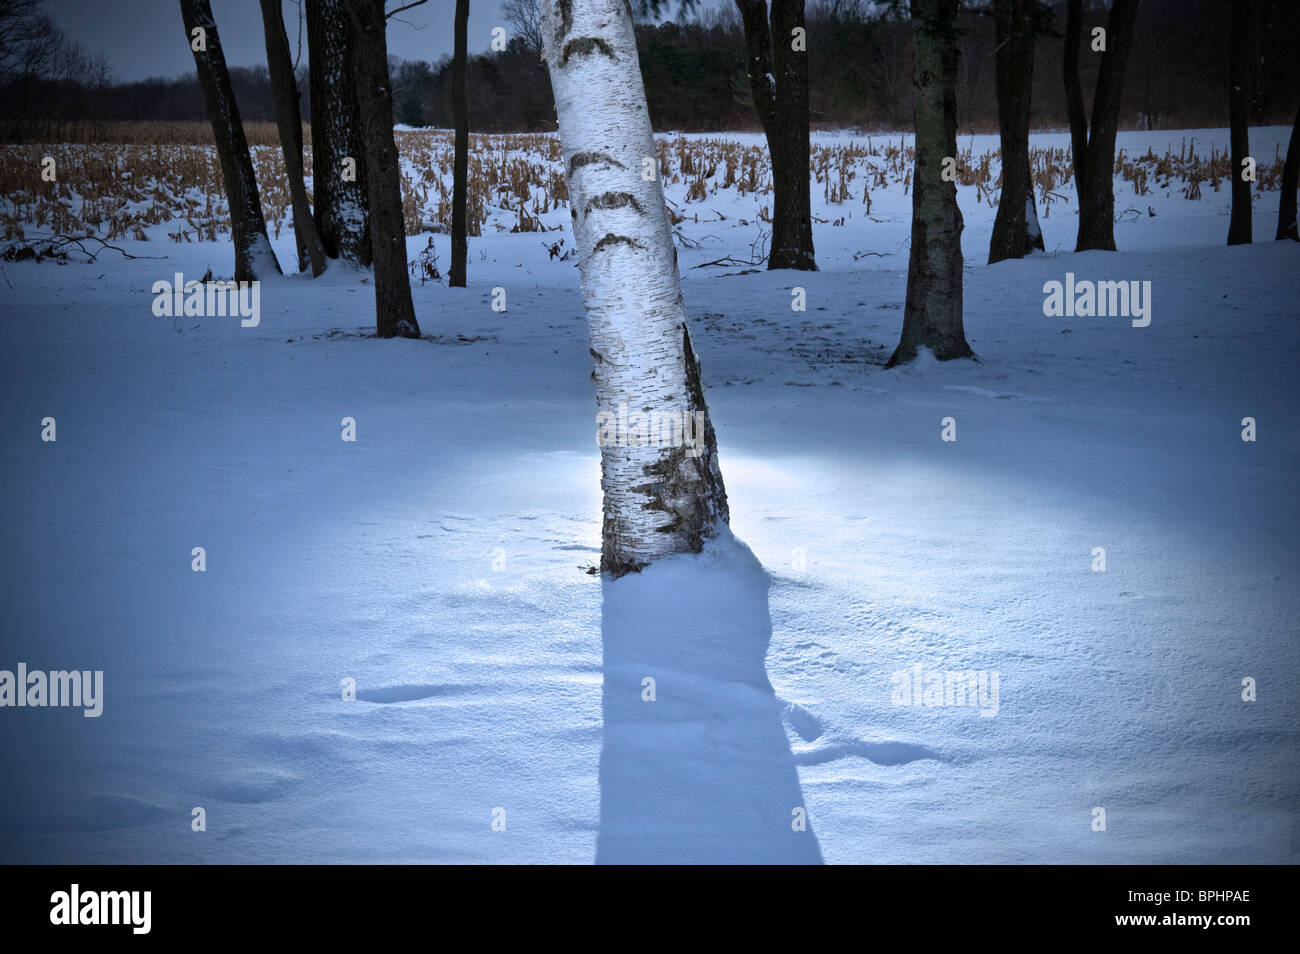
<point x="581" y="159"/>
<point x="610" y="240"/>
<point x="585" y="46"/>
<point x="689" y="489"/>
<point x="566" y="19"/>
<point x="615" y="200"/>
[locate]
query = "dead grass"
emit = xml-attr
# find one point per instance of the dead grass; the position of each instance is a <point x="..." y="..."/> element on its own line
<point x="116" y="180"/>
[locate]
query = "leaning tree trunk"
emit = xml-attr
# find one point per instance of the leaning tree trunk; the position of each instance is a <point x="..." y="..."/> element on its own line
<point x="394" y="311"/>
<point x="338" y="151"/>
<point x="778" y="81"/>
<point x="1286" y="212"/>
<point x="758" y="62"/>
<point x="288" y="119"/>
<point x="661" y="496"/>
<point x="1094" y="146"/>
<point x="1015" y="230"/>
<point x="1239" y="82"/>
<point x="253" y="253"/>
<point x="460" y="161"/>
<point x="932" y="315"/>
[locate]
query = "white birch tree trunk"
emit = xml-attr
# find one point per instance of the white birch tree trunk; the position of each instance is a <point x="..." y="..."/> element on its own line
<point x="661" y="495"/>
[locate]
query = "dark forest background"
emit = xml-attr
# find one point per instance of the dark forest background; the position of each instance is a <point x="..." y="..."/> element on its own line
<point x="695" y="78"/>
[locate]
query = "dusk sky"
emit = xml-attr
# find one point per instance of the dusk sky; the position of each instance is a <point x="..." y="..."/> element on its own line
<point x="143" y="38"/>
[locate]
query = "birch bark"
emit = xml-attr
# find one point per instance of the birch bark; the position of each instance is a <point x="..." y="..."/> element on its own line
<point x="659" y="498"/>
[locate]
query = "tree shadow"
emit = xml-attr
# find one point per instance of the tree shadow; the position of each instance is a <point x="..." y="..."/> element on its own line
<point x="696" y="766"/>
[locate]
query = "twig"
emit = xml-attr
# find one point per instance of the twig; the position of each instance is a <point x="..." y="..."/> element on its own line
<point x="393" y="13"/>
<point x="55" y="245"/>
<point x="727" y="261"/>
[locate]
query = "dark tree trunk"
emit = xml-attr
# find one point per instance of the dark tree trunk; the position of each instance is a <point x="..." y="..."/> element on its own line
<point x="1240" y="71"/>
<point x="791" y="159"/>
<point x="342" y="202"/>
<point x="460" y="162"/>
<point x="1074" y="93"/>
<point x="1094" y="147"/>
<point x="253" y="253"/>
<point x="758" y="54"/>
<point x="288" y="119"/>
<point x="1286" y="213"/>
<point x="1015" y="230"/>
<point x="394" y="311"/>
<point x="778" y="80"/>
<point x="932" y="316"/>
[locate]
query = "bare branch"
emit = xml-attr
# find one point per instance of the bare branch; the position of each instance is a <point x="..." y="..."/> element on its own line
<point x="413" y="3"/>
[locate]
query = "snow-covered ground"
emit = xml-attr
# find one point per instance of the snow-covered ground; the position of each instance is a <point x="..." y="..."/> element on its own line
<point x="439" y="562"/>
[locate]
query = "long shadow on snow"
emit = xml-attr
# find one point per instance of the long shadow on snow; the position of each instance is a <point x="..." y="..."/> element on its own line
<point x="704" y="772"/>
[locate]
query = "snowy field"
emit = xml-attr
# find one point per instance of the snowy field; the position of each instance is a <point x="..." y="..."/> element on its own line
<point x="439" y="561"/>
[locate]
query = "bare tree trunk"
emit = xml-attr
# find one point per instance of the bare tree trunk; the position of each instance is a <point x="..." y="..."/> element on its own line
<point x="460" y="161"/>
<point x="253" y="253"/>
<point x="791" y="160"/>
<point x="778" y="80"/>
<point x="1286" y="213"/>
<point x="1015" y="230"/>
<point x="932" y="315"/>
<point x="394" y="311"/>
<point x="758" y="53"/>
<point x="663" y="494"/>
<point x="1240" y="71"/>
<point x="288" y="119"/>
<point x="338" y="152"/>
<point x="1074" y="109"/>
<point x="1094" y="147"/>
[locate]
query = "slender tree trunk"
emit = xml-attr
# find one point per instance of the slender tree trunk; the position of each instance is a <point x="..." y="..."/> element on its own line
<point x="662" y="495"/>
<point x="778" y="81"/>
<point x="932" y="315"/>
<point x="1074" y="93"/>
<point x="394" y="311"/>
<point x="1239" y="89"/>
<point x="253" y="253"/>
<point x="1015" y="230"/>
<point x="1146" y="94"/>
<point x="460" y="162"/>
<point x="758" y="53"/>
<point x="288" y="119"/>
<point x="338" y="162"/>
<point x="1094" y="146"/>
<point x="792" y="155"/>
<point x="1286" y="214"/>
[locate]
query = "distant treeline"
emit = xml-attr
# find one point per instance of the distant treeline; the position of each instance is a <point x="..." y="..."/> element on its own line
<point x="859" y="60"/>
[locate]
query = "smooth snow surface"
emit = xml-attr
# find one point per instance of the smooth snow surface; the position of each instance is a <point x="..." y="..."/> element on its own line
<point x="439" y="562"/>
